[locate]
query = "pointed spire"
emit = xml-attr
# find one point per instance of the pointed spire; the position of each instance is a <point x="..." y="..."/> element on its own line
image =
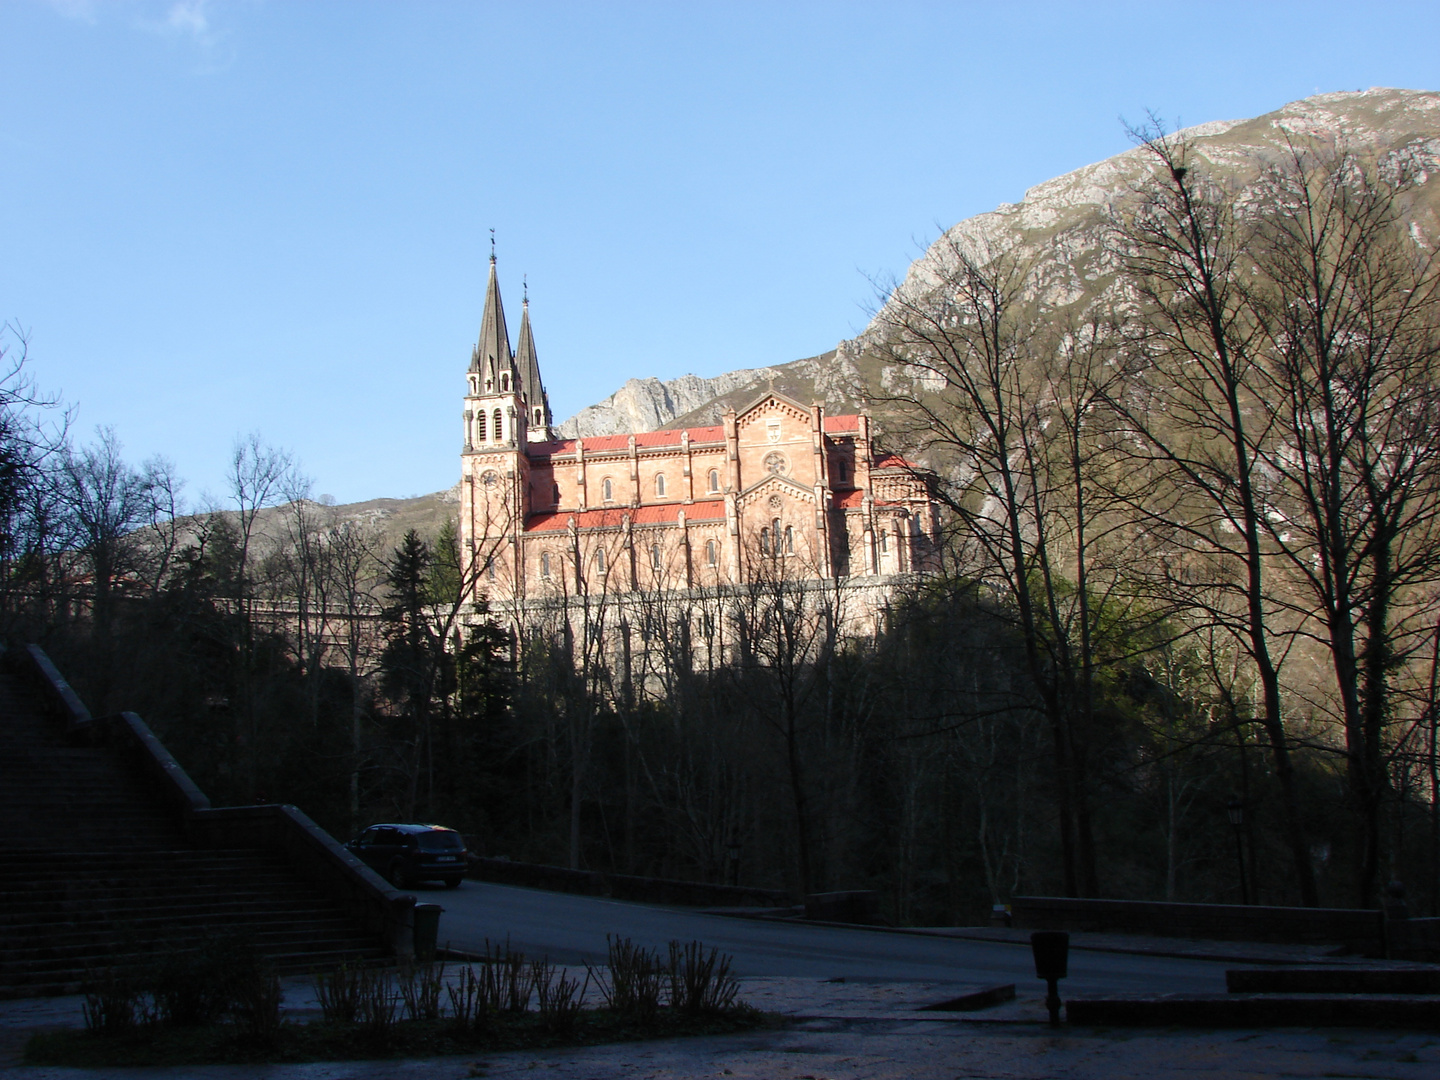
<point x="492" y="352"/>
<point x="527" y="364"/>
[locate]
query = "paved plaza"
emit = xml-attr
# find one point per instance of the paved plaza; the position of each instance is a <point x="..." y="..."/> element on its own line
<point x="840" y="1031"/>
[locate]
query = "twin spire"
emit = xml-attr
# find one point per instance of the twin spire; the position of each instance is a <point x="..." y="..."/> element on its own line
<point x="492" y="359"/>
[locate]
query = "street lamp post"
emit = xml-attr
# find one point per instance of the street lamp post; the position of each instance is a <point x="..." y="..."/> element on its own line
<point x="1236" y="813"/>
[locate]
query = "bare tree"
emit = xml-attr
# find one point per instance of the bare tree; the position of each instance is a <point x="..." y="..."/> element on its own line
<point x="1349" y="309"/>
<point x="786" y="623"/>
<point x="1014" y="414"/>
<point x="105" y="499"/>
<point x="1190" y="403"/>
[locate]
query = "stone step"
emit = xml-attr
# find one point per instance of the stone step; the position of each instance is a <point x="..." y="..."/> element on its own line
<point x="1256" y="1010"/>
<point x="272" y="940"/>
<point x="1304" y="979"/>
<point x="97" y="872"/>
<point x="127" y="919"/>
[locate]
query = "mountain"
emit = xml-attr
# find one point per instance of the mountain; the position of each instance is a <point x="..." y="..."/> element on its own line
<point x="1060" y="227"/>
<point x="649" y="404"/>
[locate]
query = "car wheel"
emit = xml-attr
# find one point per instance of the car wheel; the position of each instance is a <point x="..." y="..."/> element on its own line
<point x="397" y="875"/>
<point x="452" y="882"/>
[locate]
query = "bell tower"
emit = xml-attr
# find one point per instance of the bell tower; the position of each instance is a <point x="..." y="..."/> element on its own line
<point x="505" y="409"/>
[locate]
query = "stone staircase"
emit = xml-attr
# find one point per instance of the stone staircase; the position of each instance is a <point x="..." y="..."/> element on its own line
<point x="95" y="871"/>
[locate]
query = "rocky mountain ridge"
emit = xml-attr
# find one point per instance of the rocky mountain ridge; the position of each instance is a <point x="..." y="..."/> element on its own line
<point x="649" y="404"/>
<point x="1060" y="228"/>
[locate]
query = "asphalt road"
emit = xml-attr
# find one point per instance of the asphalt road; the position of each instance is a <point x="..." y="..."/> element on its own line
<point x="571" y="930"/>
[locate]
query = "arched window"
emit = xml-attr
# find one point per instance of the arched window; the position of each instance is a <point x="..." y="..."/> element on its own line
<point x="659" y="485"/>
<point x="480" y="427"/>
<point x="712" y="553"/>
<point x="555" y="494"/>
<point x="490" y="569"/>
<point x="539" y="417"/>
<point x="883" y="546"/>
<point x="765" y="541"/>
<point x="789" y="540"/>
<point x="840" y="472"/>
<point x="654" y="556"/>
<point x="607" y="487"/>
<point x="504" y="384"/>
<point x="499" y="432"/>
<point x="545" y="564"/>
<point x="714" y="479"/>
<point x="600" y="560"/>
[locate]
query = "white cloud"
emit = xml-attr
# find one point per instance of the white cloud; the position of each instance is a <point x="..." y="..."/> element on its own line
<point x="188" y="17"/>
<point x="82" y="10"/>
<point x="189" y="21"/>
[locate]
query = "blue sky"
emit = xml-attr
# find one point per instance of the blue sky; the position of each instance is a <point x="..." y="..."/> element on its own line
<point x="240" y="215"/>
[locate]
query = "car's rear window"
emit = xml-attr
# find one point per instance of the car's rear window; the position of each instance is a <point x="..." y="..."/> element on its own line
<point x="441" y="841"/>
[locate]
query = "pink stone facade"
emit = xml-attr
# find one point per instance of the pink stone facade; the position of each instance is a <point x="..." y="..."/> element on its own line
<point x="777" y="484"/>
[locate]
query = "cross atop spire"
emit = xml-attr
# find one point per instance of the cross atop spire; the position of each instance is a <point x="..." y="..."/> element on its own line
<point x="492" y="353"/>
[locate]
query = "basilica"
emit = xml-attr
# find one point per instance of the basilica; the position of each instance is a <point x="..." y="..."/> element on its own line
<point x="777" y="489"/>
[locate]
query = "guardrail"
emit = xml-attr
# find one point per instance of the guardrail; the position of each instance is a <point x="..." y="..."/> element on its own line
<point x="308" y="849"/>
<point x="624" y="886"/>
<point x="1356" y="929"/>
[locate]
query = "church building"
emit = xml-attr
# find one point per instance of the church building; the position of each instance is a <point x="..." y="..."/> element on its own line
<point x="777" y="488"/>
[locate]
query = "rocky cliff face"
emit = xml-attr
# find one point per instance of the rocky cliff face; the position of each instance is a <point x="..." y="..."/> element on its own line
<point x="649" y="404"/>
<point x="1060" y="228"/>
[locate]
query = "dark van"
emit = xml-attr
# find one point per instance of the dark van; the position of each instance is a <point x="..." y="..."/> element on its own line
<point x="405" y="854"/>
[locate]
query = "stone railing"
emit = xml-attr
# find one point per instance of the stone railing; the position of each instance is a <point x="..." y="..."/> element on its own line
<point x="313" y="854"/>
<point x="1357" y="930"/>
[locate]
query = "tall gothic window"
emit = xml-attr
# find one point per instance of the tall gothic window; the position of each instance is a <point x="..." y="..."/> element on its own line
<point x="480" y="427"/>
<point x="654" y="556"/>
<point x="555" y="494"/>
<point x="545" y="564"/>
<point x="765" y="541"/>
<point x="608" y="488"/>
<point x="539" y="414"/>
<point x="504" y="384"/>
<point x="660" y="485"/>
<point x="712" y="552"/>
<point x="600" y="560"/>
<point x="490" y="568"/>
<point x="499" y="431"/>
<point x="883" y="547"/>
<point x="789" y="540"/>
<point x="714" y="479"/>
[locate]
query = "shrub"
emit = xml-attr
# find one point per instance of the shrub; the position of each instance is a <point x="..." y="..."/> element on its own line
<point x="420" y="989"/>
<point x="561" y="997"/>
<point x="700" y="982"/>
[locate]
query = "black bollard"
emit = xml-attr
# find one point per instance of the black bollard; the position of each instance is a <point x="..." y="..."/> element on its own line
<point x="1052" y="955"/>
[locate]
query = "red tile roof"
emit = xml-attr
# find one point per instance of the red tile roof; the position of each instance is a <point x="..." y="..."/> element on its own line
<point x="849" y="500"/>
<point x="892" y="461"/>
<point x="842" y="423"/>
<point x="614" y="517"/>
